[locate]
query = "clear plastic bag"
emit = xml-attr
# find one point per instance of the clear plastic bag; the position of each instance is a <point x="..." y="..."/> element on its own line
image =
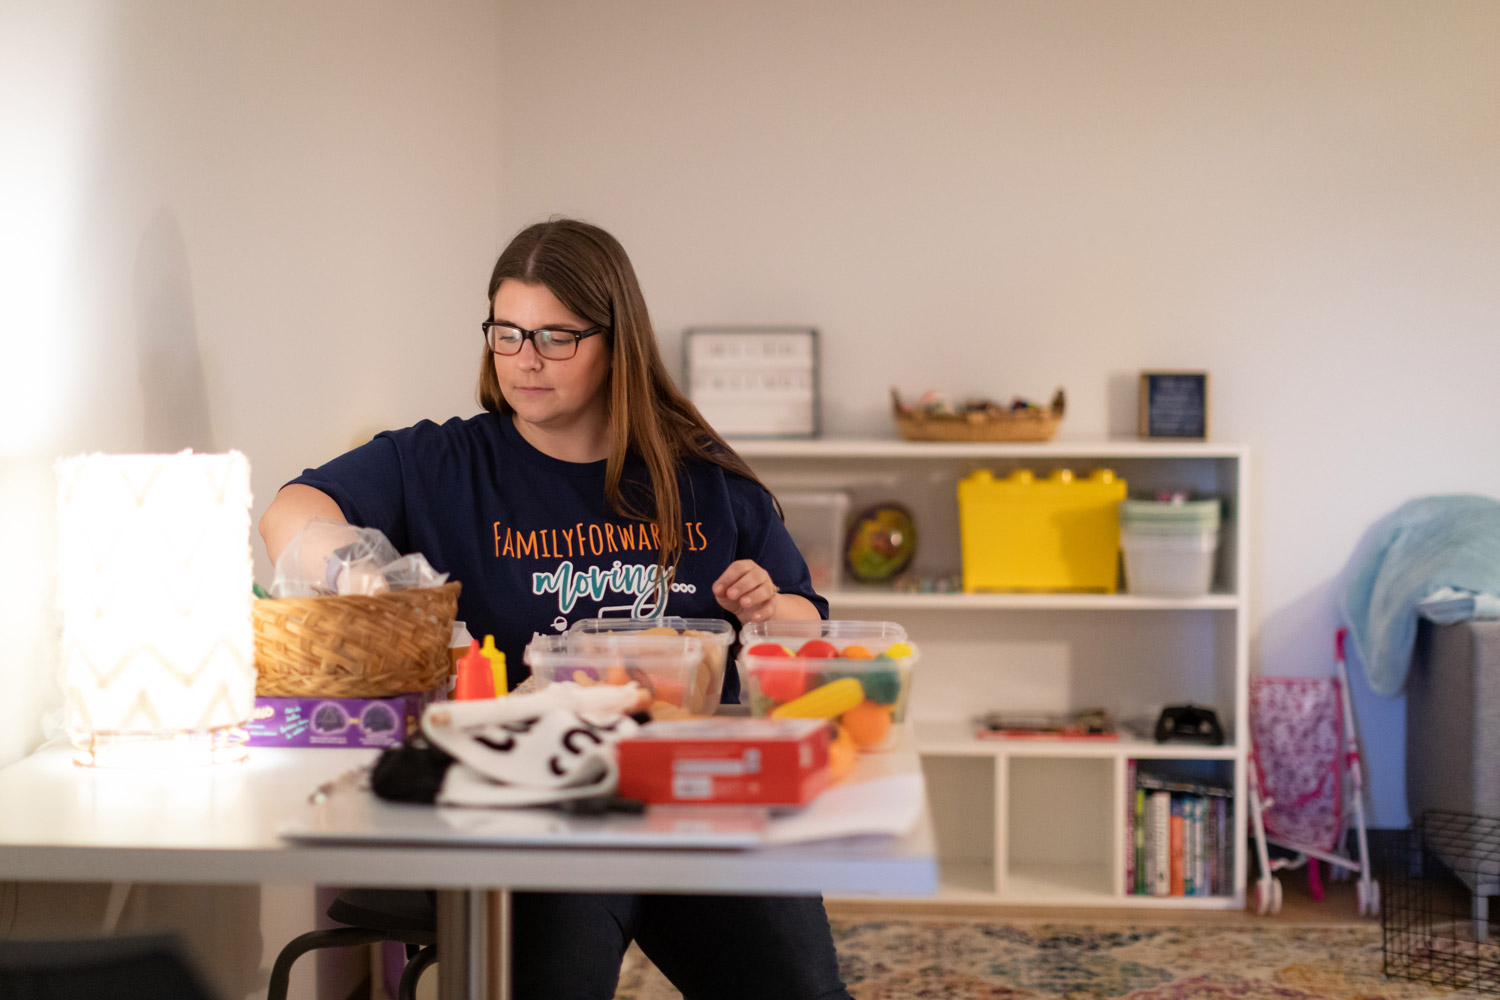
<point x="329" y="557"/>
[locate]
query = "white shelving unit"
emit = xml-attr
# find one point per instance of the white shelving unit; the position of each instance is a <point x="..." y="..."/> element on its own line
<point x="1043" y="822"/>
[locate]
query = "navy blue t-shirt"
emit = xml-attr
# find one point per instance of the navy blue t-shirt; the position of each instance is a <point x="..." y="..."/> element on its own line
<point x="534" y="541"/>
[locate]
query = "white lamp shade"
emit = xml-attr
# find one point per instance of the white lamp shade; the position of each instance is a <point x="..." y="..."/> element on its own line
<point x="154" y="583"/>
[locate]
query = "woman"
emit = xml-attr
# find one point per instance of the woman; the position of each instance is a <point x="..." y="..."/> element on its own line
<point x="590" y="487"/>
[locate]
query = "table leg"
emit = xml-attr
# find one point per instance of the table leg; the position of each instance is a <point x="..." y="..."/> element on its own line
<point x="463" y="944"/>
<point x="500" y="964"/>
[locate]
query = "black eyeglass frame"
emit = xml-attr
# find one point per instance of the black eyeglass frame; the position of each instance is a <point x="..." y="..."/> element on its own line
<point x="578" y="335"/>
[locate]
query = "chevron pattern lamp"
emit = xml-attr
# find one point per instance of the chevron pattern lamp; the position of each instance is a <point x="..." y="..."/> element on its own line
<point x="154" y="582"/>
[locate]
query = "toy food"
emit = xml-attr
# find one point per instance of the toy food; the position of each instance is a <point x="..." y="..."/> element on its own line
<point x="867" y="724"/>
<point x="861" y="671"/>
<point x="698" y="695"/>
<point x="782" y="683"/>
<point x="823" y="702"/>
<point x="841" y="753"/>
<point x="701" y="691"/>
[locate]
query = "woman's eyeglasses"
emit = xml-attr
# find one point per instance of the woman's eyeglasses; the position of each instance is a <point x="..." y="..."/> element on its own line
<point x="554" y="345"/>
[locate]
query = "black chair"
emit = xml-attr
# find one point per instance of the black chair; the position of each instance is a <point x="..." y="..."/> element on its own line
<point x="136" y="967"/>
<point x="370" y="916"/>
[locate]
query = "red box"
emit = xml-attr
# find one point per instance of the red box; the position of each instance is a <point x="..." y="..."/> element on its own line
<point x="776" y="762"/>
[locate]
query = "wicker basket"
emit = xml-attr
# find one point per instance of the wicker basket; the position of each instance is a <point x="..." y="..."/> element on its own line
<point x="994" y="423"/>
<point x="354" y="647"/>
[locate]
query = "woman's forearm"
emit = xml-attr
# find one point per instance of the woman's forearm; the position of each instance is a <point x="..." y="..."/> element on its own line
<point x="791" y="607"/>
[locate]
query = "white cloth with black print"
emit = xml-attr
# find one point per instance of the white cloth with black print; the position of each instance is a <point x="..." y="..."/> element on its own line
<point x="532" y="749"/>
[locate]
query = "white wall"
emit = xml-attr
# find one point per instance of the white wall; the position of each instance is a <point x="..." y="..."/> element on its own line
<point x="261" y="226"/>
<point x="1001" y="198"/>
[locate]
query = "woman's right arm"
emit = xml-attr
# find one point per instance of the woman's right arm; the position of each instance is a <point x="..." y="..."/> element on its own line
<point x="289" y="513"/>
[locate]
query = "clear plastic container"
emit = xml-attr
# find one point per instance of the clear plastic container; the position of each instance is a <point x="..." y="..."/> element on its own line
<point x="664" y="665"/>
<point x="877" y="655"/>
<point x="816" y="521"/>
<point x="716" y="634"/>
<point x="1169" y="565"/>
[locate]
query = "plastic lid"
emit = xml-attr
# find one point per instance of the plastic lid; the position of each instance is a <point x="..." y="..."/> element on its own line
<point x="718" y="629"/>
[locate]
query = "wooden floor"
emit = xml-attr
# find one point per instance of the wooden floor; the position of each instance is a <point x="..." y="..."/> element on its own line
<point x="1297" y="907"/>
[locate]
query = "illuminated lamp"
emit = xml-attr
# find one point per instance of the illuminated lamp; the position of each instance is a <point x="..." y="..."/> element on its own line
<point x="154" y="583"/>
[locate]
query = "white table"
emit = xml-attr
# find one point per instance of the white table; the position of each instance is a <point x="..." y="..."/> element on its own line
<point x="218" y="825"/>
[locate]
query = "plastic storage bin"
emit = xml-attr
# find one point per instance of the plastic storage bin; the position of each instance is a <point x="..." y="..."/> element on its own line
<point x="1169" y="546"/>
<point x="817" y="523"/>
<point x="1169" y="517"/>
<point x="1169" y="565"/>
<point x="716" y="634"/>
<point x="1060" y="533"/>
<point x="666" y="666"/>
<point x="864" y="685"/>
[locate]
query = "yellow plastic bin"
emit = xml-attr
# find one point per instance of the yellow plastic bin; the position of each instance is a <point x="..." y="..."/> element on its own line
<point x="1060" y="533"/>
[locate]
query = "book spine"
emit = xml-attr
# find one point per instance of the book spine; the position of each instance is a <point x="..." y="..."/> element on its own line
<point x="1200" y="841"/>
<point x="1211" y="835"/>
<point x="1225" y="845"/>
<point x="1189" y="845"/>
<point x="1130" y="826"/>
<point x="1177" y="846"/>
<point x="1189" y="850"/>
<point x="1142" y="886"/>
<point x="1161" y="850"/>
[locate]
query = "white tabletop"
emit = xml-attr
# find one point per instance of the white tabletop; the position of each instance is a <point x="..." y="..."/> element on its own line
<point x="220" y="825"/>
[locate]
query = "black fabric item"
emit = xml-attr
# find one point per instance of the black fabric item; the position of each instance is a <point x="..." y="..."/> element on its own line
<point x="139" y="967"/>
<point x="410" y="772"/>
<point x="709" y="947"/>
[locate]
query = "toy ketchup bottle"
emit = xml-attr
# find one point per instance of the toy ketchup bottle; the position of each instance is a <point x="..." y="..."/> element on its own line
<point x="475" y="678"/>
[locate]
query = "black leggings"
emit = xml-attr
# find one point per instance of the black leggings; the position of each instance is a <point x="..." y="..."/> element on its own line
<point x="568" y="946"/>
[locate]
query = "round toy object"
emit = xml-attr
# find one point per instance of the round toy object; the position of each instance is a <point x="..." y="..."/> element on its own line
<point x="881" y="542"/>
<point x="818" y="648"/>
<point x="781" y="684"/>
<point x="867" y="724"/>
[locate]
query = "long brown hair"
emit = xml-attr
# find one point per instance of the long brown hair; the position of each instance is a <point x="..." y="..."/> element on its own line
<point x="589" y="272"/>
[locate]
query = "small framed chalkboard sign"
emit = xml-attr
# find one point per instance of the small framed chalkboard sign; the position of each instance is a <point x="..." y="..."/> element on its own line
<point x="1174" y="406"/>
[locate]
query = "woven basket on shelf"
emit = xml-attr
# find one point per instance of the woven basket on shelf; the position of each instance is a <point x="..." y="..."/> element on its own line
<point x="992" y="424"/>
<point x="354" y="647"/>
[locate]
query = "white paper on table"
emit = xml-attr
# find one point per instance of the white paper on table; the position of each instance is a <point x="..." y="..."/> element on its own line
<point x="888" y="806"/>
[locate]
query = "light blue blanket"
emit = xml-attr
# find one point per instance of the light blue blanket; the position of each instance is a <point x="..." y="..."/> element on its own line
<point x="1442" y="549"/>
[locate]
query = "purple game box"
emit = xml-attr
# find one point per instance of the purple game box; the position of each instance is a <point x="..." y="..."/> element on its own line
<point x="336" y="722"/>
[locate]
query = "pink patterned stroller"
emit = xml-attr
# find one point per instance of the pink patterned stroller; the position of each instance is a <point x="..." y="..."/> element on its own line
<point x="1306" y="785"/>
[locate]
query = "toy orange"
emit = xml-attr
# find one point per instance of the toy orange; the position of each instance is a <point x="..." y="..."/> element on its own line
<point x="867" y="724"/>
<point x="841" y="753"/>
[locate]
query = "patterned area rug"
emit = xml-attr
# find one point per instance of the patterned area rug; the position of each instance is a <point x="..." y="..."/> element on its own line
<point x="954" y="959"/>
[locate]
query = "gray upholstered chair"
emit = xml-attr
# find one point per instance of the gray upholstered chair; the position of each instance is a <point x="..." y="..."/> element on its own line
<point x="1453" y="744"/>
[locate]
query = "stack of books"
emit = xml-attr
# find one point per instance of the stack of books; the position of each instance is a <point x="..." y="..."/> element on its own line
<point x="1180" y="837"/>
<point x="1087" y="724"/>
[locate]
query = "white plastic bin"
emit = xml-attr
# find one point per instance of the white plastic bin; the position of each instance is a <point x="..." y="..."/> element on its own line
<point x="1169" y="565"/>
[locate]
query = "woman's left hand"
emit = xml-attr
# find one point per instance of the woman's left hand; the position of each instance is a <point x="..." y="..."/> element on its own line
<point x="746" y="589"/>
